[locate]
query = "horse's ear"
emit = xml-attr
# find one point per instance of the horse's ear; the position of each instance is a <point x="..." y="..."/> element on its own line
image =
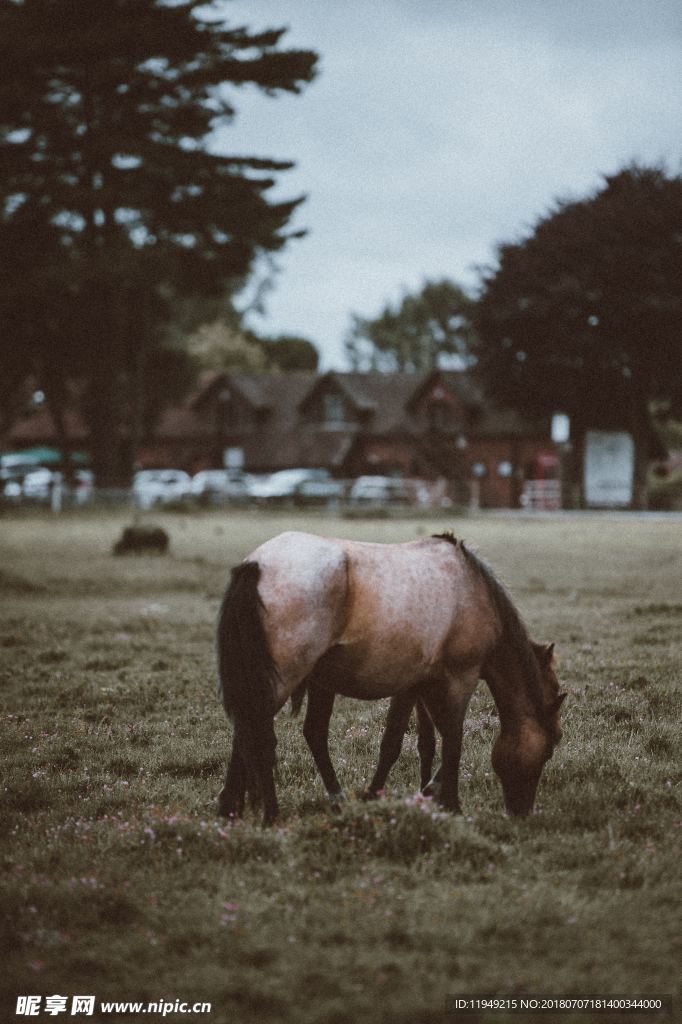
<point x="559" y="701"/>
<point x="549" y="653"/>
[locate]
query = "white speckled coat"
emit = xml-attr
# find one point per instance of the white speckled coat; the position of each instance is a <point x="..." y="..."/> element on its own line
<point x="396" y="614"/>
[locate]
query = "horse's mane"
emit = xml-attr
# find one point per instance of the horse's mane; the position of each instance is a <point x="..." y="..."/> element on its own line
<point x="514" y="631"/>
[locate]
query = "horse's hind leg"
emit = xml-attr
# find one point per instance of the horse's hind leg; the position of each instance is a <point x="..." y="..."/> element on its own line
<point x="232" y="796"/>
<point x="426" y="745"/>
<point x="447" y="701"/>
<point x="397" y="721"/>
<point x="316" y="732"/>
<point x="269" y="793"/>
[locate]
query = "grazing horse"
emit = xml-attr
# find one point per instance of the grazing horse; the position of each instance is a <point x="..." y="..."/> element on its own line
<point x="417" y="621"/>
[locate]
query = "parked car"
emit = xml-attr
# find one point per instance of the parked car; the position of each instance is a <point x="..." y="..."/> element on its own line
<point x="214" y="486"/>
<point x="292" y="484"/>
<point x="161" y="487"/>
<point x="11" y="483"/>
<point x="381" y="490"/>
<point x="38" y="485"/>
<point x="319" y="489"/>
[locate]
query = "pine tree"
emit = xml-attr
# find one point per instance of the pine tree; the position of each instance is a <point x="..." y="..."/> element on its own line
<point x="105" y="109"/>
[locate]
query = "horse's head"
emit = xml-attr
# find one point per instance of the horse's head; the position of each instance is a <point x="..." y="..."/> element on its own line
<point x="521" y="752"/>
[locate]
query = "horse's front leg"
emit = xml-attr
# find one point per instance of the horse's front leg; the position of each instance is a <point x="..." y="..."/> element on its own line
<point x="316" y="732"/>
<point x="447" y="701"/>
<point x="397" y="721"/>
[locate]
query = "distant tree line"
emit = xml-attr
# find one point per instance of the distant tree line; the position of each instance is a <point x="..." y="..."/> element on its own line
<point x="583" y="315"/>
<point x="420" y="332"/>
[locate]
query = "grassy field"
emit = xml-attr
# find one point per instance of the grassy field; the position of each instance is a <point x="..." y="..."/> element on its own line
<point x="119" y="881"/>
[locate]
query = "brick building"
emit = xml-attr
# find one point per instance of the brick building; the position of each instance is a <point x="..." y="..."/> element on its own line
<point x="433" y="426"/>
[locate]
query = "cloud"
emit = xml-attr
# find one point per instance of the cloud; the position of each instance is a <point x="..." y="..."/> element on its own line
<point x="438" y="128"/>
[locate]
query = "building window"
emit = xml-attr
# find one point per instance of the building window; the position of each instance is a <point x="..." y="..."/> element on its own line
<point x="333" y="408"/>
<point x="227" y="414"/>
<point x="479" y="470"/>
<point x="439" y="415"/>
<point x="504" y="468"/>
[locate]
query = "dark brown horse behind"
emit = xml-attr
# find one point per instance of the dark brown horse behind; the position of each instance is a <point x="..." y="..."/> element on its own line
<point x="418" y="621"/>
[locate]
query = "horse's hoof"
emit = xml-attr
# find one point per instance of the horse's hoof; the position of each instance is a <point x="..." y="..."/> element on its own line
<point x="337" y="800"/>
<point x="228" y="808"/>
<point x="370" y="794"/>
<point x="228" y="812"/>
<point x="432" y="788"/>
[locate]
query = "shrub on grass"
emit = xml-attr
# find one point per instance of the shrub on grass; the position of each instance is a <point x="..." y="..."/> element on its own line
<point x="412" y="831"/>
<point x="140" y="540"/>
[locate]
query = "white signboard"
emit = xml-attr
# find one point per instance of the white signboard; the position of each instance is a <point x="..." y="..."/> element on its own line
<point x="233" y="458"/>
<point x="561" y="428"/>
<point x="608" y="468"/>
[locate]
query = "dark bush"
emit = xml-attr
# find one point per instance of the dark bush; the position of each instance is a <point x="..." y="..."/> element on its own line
<point x="140" y="540"/>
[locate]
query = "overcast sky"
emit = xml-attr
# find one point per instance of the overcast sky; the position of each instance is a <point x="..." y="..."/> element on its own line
<point x="437" y="128"/>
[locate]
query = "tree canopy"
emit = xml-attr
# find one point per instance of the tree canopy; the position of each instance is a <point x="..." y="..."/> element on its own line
<point x="417" y="333"/>
<point x="105" y="111"/>
<point x="286" y="353"/>
<point x="584" y="314"/>
<point x="236" y="349"/>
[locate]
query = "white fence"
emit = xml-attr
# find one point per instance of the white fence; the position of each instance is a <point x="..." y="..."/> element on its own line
<point x="541" y="495"/>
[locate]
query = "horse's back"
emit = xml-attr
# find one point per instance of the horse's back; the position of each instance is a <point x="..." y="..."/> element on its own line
<point x="303" y="587"/>
<point x="299" y="560"/>
<point x="414" y="610"/>
<point x="391" y="612"/>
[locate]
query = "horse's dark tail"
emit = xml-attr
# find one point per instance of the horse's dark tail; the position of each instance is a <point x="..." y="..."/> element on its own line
<point x="247" y="674"/>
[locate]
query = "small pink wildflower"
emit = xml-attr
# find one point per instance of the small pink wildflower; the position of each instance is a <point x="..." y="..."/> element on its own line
<point x="230" y="915"/>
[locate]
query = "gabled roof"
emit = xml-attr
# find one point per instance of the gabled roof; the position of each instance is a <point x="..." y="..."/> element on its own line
<point x="387" y="395"/>
<point x="458" y="382"/>
<point x="343" y="381"/>
<point x="180" y="422"/>
<point x="259" y="390"/>
<point x="384" y="398"/>
<point x="213" y="382"/>
<point x="278" y="435"/>
<point x="277" y="391"/>
<point x="39" y="426"/>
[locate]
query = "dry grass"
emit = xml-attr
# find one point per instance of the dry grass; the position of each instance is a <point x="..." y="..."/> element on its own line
<point x="119" y="881"/>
